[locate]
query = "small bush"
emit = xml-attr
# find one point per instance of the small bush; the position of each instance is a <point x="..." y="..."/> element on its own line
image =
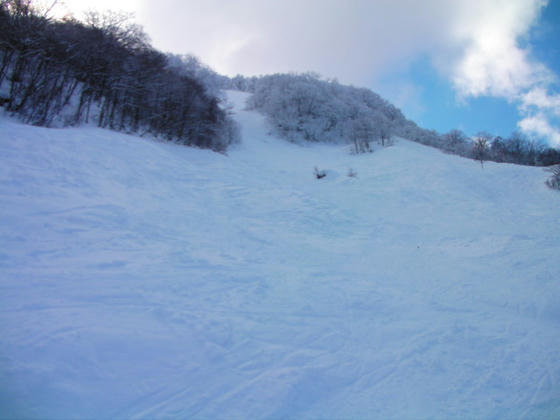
<point x="319" y="173"/>
<point x="554" y="180"/>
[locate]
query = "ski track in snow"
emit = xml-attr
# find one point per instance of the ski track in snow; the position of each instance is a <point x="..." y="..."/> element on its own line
<point x="141" y="279"/>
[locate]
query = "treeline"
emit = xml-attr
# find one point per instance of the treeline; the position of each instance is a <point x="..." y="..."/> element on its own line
<point x="102" y="69"/>
<point x="516" y="148"/>
<point x="304" y="107"/>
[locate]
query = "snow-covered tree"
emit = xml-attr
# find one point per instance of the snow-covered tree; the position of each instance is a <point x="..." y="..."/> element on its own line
<point x="303" y="107"/>
<point x="481" y="146"/>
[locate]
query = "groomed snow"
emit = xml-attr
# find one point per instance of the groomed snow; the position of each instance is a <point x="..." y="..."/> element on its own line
<point x="141" y="280"/>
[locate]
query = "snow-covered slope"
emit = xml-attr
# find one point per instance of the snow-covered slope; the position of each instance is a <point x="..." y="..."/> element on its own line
<point x="145" y="279"/>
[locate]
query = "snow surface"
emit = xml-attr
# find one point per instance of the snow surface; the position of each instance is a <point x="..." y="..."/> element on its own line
<point x="141" y="279"/>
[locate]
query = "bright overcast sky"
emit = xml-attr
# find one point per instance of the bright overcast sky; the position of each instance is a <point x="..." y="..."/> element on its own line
<point x="469" y="64"/>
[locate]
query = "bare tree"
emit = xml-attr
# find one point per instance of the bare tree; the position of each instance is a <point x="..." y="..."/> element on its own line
<point x="351" y="173"/>
<point x="481" y="147"/>
<point x="361" y="132"/>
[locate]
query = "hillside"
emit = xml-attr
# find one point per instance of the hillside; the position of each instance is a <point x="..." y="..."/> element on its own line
<point x="145" y="279"/>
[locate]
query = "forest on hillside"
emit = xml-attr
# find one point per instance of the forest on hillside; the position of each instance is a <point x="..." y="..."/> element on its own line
<point x="102" y="69"/>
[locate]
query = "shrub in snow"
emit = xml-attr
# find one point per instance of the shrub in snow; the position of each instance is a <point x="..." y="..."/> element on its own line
<point x="319" y="173"/>
<point x="554" y="180"/>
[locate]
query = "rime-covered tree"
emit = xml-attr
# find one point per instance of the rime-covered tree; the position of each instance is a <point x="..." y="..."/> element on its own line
<point x="481" y="146"/>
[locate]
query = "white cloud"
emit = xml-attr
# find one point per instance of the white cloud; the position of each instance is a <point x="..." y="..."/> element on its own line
<point x="540" y="126"/>
<point x="496" y="69"/>
<point x="492" y="63"/>
<point x="357" y="41"/>
<point x="538" y="97"/>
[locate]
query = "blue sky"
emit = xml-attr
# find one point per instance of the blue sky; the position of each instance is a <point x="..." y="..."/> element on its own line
<point x="434" y="103"/>
<point x="474" y="65"/>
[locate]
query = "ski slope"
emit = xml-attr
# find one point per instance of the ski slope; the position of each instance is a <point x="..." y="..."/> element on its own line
<point x="141" y="279"/>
